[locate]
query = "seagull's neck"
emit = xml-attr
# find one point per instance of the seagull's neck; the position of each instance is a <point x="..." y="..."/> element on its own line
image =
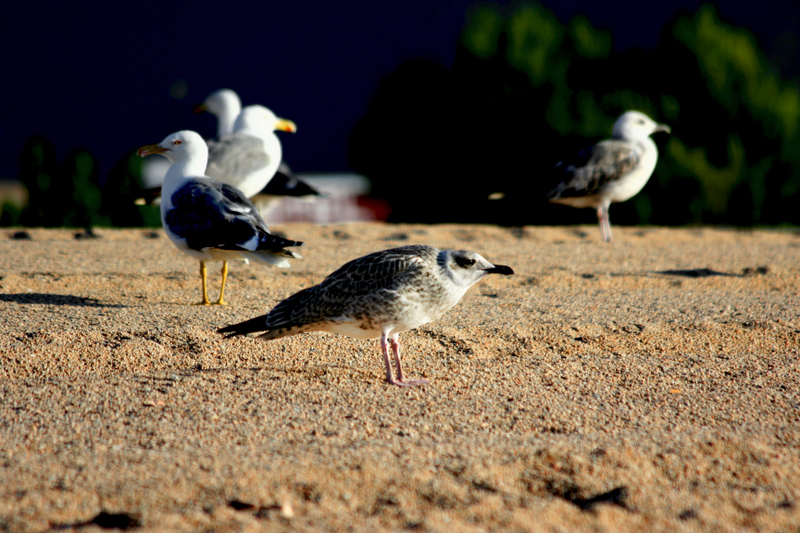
<point x="178" y="174"/>
<point x="226" y="119"/>
<point x="648" y="145"/>
<point x="191" y="167"/>
<point x="181" y="171"/>
<point x="645" y="142"/>
<point x="272" y="144"/>
<point x="257" y="131"/>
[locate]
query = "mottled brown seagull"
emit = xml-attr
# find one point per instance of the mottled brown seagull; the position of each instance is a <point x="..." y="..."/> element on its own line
<point x="381" y="295"/>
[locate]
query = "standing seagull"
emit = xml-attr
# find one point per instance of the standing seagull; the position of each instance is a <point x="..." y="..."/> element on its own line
<point x="613" y="170"/>
<point x="249" y="157"/>
<point x="379" y="295"/>
<point x="209" y="220"/>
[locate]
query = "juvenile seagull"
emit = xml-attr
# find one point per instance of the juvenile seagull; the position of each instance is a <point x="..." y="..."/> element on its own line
<point x="210" y="220"/>
<point x="613" y="170"/>
<point x="381" y="295"/>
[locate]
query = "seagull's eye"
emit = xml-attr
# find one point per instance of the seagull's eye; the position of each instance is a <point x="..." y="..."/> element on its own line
<point x="464" y="262"/>
<point x="177" y="141"/>
<point x="641" y="121"/>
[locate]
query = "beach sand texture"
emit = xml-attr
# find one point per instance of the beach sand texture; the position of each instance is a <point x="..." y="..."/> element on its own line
<point x="647" y="385"/>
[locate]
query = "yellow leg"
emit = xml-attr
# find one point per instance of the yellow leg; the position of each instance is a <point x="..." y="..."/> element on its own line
<point x="205" y="285"/>
<point x="224" y="277"/>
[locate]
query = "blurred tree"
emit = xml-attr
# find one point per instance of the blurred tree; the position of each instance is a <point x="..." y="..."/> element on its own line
<point x="70" y="195"/>
<point x="10" y="214"/>
<point x="745" y="147"/>
<point x="79" y="191"/>
<point x="122" y="188"/>
<point x="38" y="170"/>
<point x="59" y="195"/>
<point x="525" y="88"/>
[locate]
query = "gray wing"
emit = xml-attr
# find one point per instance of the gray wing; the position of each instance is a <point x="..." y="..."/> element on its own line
<point x="234" y="157"/>
<point x="211" y="214"/>
<point x="591" y="169"/>
<point x="377" y="274"/>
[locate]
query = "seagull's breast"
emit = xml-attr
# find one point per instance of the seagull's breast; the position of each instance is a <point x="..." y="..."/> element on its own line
<point x="628" y="185"/>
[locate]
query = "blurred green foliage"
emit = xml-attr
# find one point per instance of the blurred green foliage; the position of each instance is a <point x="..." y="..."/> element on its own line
<point x="526" y="88"/>
<point x="70" y="194"/>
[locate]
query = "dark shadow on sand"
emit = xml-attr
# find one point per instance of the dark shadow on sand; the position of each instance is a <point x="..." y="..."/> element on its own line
<point x="707" y="272"/>
<point x="54" y="299"/>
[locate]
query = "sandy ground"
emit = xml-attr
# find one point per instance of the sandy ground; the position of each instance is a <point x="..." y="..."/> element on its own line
<point x="648" y="385"/>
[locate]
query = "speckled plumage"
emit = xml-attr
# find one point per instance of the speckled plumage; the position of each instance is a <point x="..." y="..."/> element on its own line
<point x="379" y="295"/>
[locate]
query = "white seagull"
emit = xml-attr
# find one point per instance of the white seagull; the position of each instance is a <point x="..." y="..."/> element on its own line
<point x="210" y="220"/>
<point x="381" y="295"/>
<point x="249" y="157"/>
<point x="613" y="170"/>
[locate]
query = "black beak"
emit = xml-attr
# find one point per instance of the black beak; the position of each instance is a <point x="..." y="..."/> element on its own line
<point x="500" y="269"/>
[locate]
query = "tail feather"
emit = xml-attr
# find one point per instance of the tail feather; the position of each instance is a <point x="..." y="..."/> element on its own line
<point x="277" y="259"/>
<point x="272" y="249"/>
<point x="279" y="333"/>
<point x="258" y="324"/>
<point x="274" y="243"/>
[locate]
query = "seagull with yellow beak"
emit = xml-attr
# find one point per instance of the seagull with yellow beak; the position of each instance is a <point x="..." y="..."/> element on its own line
<point x="249" y="157"/>
<point x="210" y="220"/>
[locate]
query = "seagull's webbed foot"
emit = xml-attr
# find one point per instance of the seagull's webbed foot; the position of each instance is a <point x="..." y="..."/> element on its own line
<point x="407" y="383"/>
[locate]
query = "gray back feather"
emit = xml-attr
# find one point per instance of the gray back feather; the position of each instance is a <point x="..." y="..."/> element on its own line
<point x="594" y="167"/>
<point x="210" y="214"/>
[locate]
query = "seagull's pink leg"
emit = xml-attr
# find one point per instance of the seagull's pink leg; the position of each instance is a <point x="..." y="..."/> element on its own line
<point x="393" y="340"/>
<point x="385" y="350"/>
<point x="605" y="223"/>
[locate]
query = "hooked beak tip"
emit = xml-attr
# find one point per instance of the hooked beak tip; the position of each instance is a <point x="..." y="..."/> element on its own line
<point x="500" y="269"/>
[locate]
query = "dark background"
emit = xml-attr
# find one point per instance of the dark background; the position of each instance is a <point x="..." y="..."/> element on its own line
<point x="115" y="75"/>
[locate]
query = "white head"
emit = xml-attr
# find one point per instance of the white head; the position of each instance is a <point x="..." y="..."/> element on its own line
<point x="185" y="145"/>
<point x="258" y="120"/>
<point x="225" y="105"/>
<point x="633" y="126"/>
<point x="466" y="268"/>
<point x="221" y="102"/>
